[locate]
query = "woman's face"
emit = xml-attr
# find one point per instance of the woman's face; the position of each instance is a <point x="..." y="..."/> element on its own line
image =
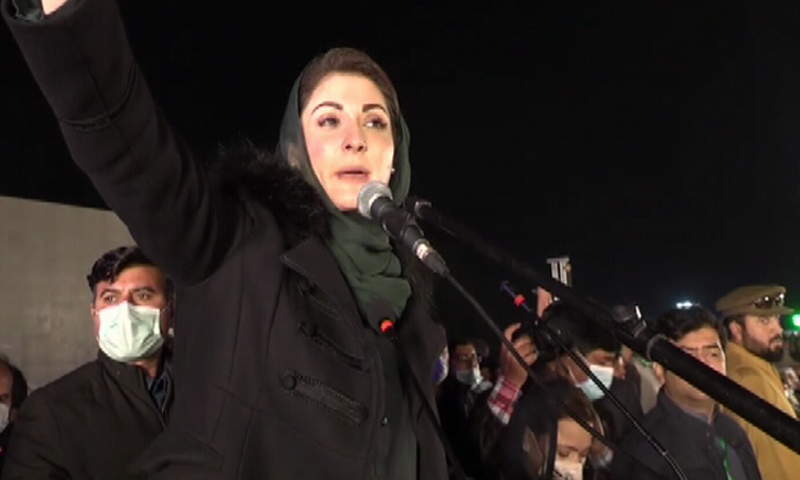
<point x="348" y="136"/>
<point x="573" y="442"/>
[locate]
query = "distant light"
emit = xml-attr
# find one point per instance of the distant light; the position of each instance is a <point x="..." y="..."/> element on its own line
<point x="796" y="320"/>
<point x="684" y="305"/>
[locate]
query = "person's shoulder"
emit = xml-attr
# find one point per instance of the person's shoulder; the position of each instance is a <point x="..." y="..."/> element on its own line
<point x="654" y="422"/>
<point x="740" y="370"/>
<point x="73" y="383"/>
<point x="753" y="379"/>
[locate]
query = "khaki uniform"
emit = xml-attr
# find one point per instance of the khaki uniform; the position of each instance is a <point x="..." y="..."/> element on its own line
<point x="776" y="461"/>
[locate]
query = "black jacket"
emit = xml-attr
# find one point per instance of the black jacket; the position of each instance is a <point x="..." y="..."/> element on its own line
<point x="689" y="440"/>
<point x="278" y="377"/>
<point x="5" y="435"/>
<point x="456" y="403"/>
<point x="90" y="424"/>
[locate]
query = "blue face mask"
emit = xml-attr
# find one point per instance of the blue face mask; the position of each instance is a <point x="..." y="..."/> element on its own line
<point x="589" y="388"/>
<point x="442" y="368"/>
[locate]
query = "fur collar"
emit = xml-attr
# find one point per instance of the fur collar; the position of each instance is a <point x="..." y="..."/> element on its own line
<point x="255" y="175"/>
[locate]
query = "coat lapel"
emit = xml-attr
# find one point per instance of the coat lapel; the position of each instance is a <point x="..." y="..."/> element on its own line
<point x="312" y="260"/>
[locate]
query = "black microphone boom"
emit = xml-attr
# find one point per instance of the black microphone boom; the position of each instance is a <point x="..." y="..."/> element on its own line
<point x="375" y="202"/>
<point x="636" y="335"/>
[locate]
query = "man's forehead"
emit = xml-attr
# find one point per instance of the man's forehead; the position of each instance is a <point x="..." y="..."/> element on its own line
<point x="760" y="319"/>
<point x="699" y="338"/>
<point x="135" y="277"/>
<point x="600" y="353"/>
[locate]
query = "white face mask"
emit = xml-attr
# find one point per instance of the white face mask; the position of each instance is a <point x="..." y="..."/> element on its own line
<point x="589" y="388"/>
<point x="604" y="374"/>
<point x="469" y="377"/>
<point x="566" y="470"/>
<point x="5" y="416"/>
<point x="129" y="332"/>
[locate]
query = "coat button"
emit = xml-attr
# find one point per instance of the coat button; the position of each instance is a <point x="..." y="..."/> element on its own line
<point x="288" y="381"/>
<point x="384" y="421"/>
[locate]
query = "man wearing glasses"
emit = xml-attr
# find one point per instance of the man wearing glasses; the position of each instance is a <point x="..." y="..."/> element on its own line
<point x="752" y="315"/>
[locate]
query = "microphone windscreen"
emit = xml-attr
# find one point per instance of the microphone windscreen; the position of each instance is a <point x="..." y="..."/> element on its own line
<point x="368" y="194"/>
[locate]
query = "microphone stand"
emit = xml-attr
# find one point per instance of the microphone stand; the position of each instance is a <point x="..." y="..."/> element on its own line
<point x="387" y="327"/>
<point x="635" y="334"/>
<point x="532" y="376"/>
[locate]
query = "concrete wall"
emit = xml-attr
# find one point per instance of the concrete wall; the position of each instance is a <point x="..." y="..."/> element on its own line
<point x="46" y="251"/>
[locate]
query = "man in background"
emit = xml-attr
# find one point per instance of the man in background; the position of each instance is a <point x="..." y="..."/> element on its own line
<point x="13" y="391"/>
<point x="752" y="315"/>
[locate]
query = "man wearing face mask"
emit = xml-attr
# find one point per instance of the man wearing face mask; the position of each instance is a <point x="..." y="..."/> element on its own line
<point x="456" y="400"/>
<point x="599" y="349"/>
<point x="94" y="422"/>
<point x="466" y="366"/>
<point x="13" y="391"/>
<point x="752" y="315"/>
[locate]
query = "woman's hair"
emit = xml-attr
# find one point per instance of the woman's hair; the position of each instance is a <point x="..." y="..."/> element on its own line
<point x="543" y="415"/>
<point x="350" y="60"/>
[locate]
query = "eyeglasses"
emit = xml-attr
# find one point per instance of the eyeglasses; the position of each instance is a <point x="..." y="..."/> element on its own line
<point x="769" y="301"/>
<point x="468" y="358"/>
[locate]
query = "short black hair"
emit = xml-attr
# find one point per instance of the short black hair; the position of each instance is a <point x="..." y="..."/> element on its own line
<point x="460" y="341"/>
<point x="19" y="385"/>
<point x="578" y="330"/>
<point x="108" y="267"/>
<point x="731" y="319"/>
<point x="481" y="347"/>
<point x="678" y="322"/>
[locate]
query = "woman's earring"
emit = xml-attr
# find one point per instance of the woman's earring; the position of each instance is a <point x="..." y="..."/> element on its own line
<point x="392" y="169"/>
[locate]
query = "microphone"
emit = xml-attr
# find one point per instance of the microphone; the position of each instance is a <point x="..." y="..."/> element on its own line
<point x="375" y="202"/>
<point x="415" y="205"/>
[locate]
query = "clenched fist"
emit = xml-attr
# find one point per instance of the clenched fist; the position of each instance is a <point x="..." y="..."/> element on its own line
<point x="50" y="6"/>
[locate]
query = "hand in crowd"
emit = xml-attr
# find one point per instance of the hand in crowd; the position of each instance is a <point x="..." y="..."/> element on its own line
<point x="543" y="300"/>
<point x="511" y="370"/>
<point x="50" y="6"/>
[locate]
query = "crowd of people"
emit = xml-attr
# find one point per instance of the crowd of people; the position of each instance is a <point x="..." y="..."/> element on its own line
<point x="103" y="419"/>
<point x="497" y="421"/>
<point x="263" y="328"/>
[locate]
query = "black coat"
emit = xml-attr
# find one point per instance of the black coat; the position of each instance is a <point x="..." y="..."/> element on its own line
<point x="5" y="435"/>
<point x="277" y="375"/>
<point x="456" y="403"/>
<point x="90" y="424"/>
<point x="689" y="440"/>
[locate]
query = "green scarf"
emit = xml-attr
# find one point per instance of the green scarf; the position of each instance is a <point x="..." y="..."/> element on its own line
<point x="360" y="246"/>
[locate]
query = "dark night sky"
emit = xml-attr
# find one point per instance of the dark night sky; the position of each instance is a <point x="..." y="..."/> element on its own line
<point x="659" y="149"/>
